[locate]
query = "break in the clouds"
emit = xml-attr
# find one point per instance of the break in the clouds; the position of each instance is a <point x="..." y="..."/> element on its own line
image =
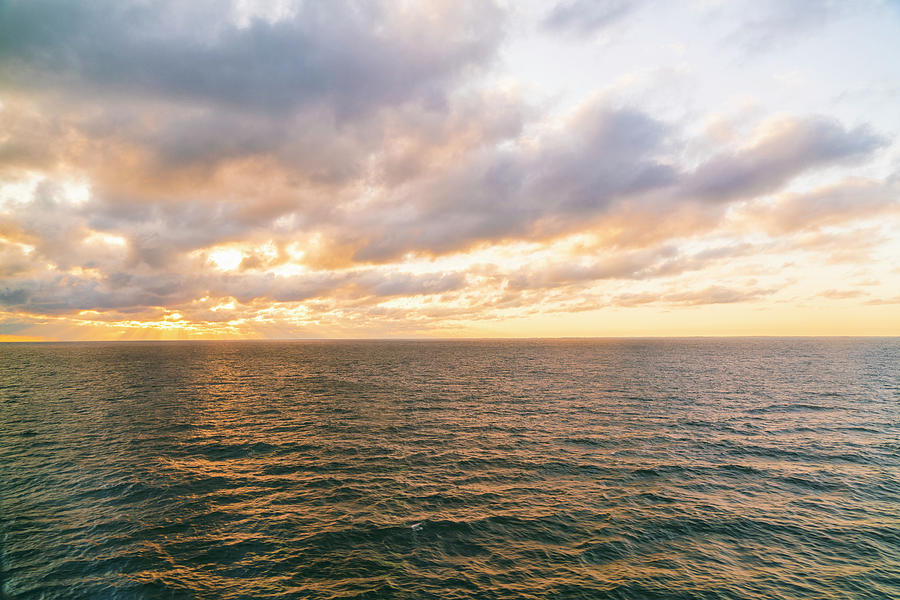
<point x="330" y="168"/>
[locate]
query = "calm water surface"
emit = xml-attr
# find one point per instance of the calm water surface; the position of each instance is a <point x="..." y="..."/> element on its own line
<point x="532" y="469"/>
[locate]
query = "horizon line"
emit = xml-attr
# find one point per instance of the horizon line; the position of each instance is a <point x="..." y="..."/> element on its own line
<point x="456" y="339"/>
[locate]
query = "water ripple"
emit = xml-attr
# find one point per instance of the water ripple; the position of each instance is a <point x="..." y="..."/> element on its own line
<point x="745" y="469"/>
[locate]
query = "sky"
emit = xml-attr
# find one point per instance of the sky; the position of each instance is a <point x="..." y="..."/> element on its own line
<point x="460" y="168"/>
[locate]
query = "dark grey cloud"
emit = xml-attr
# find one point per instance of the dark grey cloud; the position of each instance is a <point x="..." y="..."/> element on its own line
<point x="793" y="147"/>
<point x="64" y="293"/>
<point x="11" y="326"/>
<point x="169" y="91"/>
<point x="665" y="260"/>
<point x="13" y="296"/>
<point x="123" y="292"/>
<point x="351" y="55"/>
<point x="602" y="158"/>
<point x="602" y="155"/>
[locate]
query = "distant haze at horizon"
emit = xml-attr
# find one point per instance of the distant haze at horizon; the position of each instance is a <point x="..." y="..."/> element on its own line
<point x="448" y="169"/>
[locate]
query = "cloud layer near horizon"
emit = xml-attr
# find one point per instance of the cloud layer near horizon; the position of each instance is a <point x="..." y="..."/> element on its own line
<point x="383" y="168"/>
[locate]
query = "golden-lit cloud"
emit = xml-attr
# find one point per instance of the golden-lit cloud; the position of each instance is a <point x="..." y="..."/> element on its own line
<point x="351" y="169"/>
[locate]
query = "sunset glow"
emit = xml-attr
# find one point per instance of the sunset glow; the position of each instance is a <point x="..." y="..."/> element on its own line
<point x="448" y="169"/>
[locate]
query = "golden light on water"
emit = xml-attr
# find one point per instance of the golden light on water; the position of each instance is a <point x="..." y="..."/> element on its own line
<point x="473" y="468"/>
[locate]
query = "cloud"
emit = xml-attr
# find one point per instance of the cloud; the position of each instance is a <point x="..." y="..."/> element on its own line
<point x="602" y="160"/>
<point x="586" y="17"/>
<point x="837" y="203"/>
<point x="715" y="294"/>
<point x="352" y="56"/>
<point x="123" y="292"/>
<point x="784" y="149"/>
<point x="626" y="265"/>
<point x="767" y="24"/>
<point x="536" y="188"/>
<point x="884" y="301"/>
<point x="373" y="161"/>
<point x="841" y="294"/>
<point x="13" y="260"/>
<point x="601" y="167"/>
<point x="408" y="284"/>
<point x="11" y="326"/>
<point x="166" y="94"/>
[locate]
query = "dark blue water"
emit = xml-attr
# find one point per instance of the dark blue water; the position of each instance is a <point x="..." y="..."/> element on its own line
<point x="532" y="469"/>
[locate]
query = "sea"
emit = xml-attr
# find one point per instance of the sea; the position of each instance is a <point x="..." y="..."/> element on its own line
<point x="751" y="468"/>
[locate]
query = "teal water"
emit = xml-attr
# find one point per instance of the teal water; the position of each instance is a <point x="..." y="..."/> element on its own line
<point x="744" y="468"/>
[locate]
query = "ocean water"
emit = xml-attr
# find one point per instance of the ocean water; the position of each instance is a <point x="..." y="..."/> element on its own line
<point x="741" y="468"/>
